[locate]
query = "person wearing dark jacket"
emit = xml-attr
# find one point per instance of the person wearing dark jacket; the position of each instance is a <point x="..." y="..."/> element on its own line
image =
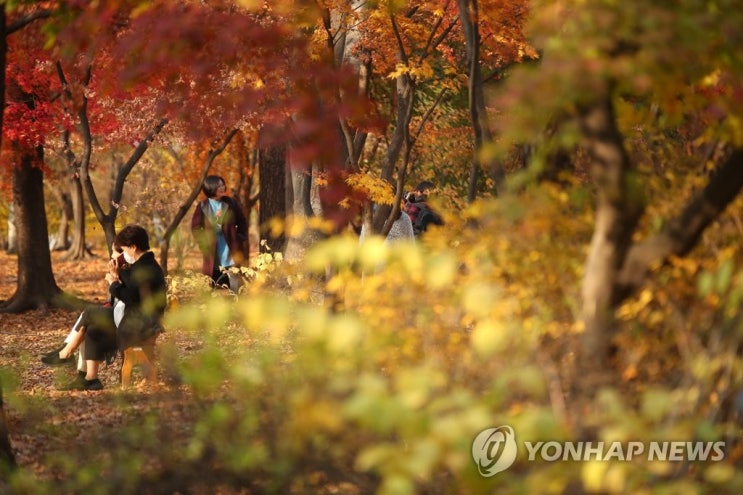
<point x="75" y="340"/>
<point x="143" y="292"/>
<point x="220" y="228"/>
<point x="417" y="208"/>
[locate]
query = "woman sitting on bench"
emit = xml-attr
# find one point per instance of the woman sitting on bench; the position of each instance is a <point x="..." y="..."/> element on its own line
<point x="143" y="294"/>
<point x="75" y="339"/>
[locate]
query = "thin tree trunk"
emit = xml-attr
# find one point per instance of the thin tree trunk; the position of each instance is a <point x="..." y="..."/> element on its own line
<point x="12" y="247"/>
<point x="247" y="154"/>
<point x="60" y="241"/>
<point x="469" y="17"/>
<point x="77" y="249"/>
<point x="301" y="184"/>
<point x="3" y="61"/>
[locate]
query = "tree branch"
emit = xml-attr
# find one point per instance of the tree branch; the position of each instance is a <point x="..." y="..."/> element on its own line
<point x="27" y="19"/>
<point x="683" y="232"/>
<point x="186" y="205"/>
<point x="136" y="155"/>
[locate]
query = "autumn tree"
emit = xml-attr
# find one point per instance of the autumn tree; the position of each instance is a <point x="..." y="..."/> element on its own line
<point x="28" y="119"/>
<point x="632" y="66"/>
<point x="114" y="121"/>
<point x="504" y="44"/>
<point x="422" y="52"/>
<point x="251" y="66"/>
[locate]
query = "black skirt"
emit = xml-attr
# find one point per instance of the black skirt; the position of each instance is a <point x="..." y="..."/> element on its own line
<point x="100" y="334"/>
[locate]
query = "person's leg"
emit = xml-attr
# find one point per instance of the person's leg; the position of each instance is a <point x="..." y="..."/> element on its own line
<point x="92" y="370"/>
<point x="100" y="342"/>
<point x="95" y="341"/>
<point x="70" y="336"/>
<point x="75" y="341"/>
<point x="99" y="339"/>
<point x="216" y="274"/>
<point x="65" y="354"/>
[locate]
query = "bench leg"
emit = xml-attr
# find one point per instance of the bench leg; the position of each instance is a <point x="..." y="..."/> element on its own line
<point x="143" y="357"/>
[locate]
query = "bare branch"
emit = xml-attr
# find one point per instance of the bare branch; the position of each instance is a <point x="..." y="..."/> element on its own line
<point x="27" y="19"/>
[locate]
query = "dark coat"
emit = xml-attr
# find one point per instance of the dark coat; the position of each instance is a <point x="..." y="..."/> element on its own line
<point x="421" y="215"/>
<point x="143" y="291"/>
<point x="234" y="227"/>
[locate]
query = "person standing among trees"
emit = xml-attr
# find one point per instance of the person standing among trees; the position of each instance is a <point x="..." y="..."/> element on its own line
<point x="401" y="230"/>
<point x="416" y="206"/>
<point x="219" y="228"/>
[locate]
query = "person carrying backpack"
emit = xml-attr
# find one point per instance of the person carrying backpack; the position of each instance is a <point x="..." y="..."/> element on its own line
<point x="417" y="208"/>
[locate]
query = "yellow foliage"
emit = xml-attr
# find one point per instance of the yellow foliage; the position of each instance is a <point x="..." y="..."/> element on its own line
<point x="378" y="190"/>
<point x="414" y="349"/>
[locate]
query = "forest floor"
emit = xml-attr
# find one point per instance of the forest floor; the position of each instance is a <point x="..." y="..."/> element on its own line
<point x="91" y="415"/>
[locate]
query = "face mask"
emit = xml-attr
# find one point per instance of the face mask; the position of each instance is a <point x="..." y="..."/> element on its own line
<point x="129" y="258"/>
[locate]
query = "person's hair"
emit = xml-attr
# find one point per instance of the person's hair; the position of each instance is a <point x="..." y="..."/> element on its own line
<point x="133" y="235"/>
<point x="426" y="184"/>
<point x="211" y="184"/>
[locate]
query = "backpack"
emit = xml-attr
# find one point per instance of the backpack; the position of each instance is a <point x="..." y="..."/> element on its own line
<point x="424" y="216"/>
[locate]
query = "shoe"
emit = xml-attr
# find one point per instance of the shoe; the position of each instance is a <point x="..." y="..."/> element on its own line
<point x="80" y="383"/>
<point x="94" y="384"/>
<point x="55" y="351"/>
<point x="55" y="360"/>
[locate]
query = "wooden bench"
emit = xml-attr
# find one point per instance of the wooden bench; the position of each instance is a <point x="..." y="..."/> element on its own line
<point x="142" y="355"/>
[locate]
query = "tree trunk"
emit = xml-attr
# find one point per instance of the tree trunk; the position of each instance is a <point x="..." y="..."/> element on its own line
<point x="247" y="153"/>
<point x="619" y="206"/>
<point x="11" y="246"/>
<point x="301" y="184"/>
<point x="272" y="196"/>
<point x="399" y="145"/>
<point x="36" y="287"/>
<point x="77" y="249"/>
<point x="6" y="450"/>
<point x="469" y="17"/>
<point x="61" y="238"/>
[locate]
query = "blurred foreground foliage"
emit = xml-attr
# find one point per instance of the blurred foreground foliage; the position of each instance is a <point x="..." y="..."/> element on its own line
<point x="370" y="369"/>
